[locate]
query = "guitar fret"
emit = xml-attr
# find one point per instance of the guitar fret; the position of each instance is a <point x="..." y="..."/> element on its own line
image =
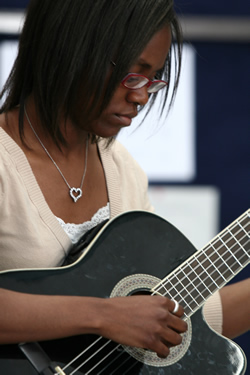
<point x="195" y="281"/>
<point x="216" y="283"/>
<point x="242" y="256"/>
<point x="178" y="293"/>
<point x="188" y="298"/>
<point x="192" y="299"/>
<point x="202" y="291"/>
<point x="198" y="269"/>
<point x="230" y="252"/>
<point x="209" y="269"/>
<point x="243" y="247"/>
<point x="213" y="258"/>
<point x="236" y="234"/>
<point x="166" y="290"/>
<point x="216" y="256"/>
<point x="190" y="287"/>
<point x="185" y="301"/>
<point x="242" y="237"/>
<point x="205" y="273"/>
<point x="245" y="225"/>
<point x="194" y="277"/>
<point x="238" y="231"/>
<point x="209" y="287"/>
<point x="225" y="266"/>
<point x="232" y="260"/>
<point x="210" y="266"/>
<point x="199" y="285"/>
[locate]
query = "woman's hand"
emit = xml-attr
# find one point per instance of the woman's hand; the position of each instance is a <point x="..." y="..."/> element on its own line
<point x="142" y="321"/>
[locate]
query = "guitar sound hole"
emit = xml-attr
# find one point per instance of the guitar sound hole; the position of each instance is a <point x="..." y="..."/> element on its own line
<point x="140" y="292"/>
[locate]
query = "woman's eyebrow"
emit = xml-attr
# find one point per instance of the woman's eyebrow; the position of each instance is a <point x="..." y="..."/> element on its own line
<point x="144" y="64"/>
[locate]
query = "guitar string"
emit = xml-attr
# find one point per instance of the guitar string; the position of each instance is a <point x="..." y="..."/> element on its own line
<point x="89" y="358"/>
<point x="81" y="354"/>
<point x="180" y="270"/>
<point x="187" y="264"/>
<point x="169" y="291"/>
<point x="94" y="343"/>
<point x="215" y="270"/>
<point x="217" y="249"/>
<point x="96" y="365"/>
<point x="106" y="367"/>
<point x="121" y="364"/>
<point x="115" y="359"/>
<point x="183" y="278"/>
<point x="229" y="248"/>
<point x="89" y="372"/>
<point x="128" y="370"/>
<point x="192" y="259"/>
<point x="103" y="358"/>
<point x="129" y="358"/>
<point x="183" y="297"/>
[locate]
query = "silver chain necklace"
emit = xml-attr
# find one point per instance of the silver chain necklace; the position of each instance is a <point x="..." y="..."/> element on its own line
<point x="75" y="193"/>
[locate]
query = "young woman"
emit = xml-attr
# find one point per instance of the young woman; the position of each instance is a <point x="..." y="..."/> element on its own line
<point x="83" y="71"/>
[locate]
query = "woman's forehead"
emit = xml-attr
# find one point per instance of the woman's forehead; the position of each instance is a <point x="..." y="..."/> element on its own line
<point x="156" y="51"/>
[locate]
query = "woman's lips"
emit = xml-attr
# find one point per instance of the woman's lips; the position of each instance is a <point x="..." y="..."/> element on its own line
<point x="125" y="119"/>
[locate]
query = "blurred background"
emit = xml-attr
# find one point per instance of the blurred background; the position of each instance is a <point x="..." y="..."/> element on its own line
<point x="198" y="158"/>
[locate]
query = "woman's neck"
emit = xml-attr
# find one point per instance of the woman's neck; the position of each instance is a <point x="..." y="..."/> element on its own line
<point x="75" y="138"/>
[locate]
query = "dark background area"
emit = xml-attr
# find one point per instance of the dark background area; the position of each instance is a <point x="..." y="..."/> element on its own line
<point x="222" y="7"/>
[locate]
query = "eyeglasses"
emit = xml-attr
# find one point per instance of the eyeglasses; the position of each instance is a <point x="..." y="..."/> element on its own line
<point x="135" y="81"/>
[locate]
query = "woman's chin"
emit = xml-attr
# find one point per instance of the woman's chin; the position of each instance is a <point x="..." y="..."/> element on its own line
<point x="106" y="131"/>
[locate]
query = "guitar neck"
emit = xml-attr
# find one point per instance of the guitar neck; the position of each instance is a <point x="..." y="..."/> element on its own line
<point x="210" y="268"/>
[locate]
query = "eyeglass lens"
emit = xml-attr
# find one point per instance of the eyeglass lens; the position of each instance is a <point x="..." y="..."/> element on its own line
<point x="137" y="82"/>
<point x="156" y="86"/>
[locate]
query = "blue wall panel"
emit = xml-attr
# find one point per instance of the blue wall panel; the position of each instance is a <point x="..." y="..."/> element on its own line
<point x="223" y="130"/>
<point x="222" y="7"/>
<point x="10" y="4"/>
<point x="214" y="7"/>
<point x="223" y="123"/>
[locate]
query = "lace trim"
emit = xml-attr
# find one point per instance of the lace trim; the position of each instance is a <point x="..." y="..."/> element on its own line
<point x="75" y="231"/>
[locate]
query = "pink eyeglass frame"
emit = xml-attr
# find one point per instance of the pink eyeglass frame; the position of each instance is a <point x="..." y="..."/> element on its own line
<point x="148" y="84"/>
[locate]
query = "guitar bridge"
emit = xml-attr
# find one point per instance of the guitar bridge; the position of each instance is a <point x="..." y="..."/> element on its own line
<point x="59" y="371"/>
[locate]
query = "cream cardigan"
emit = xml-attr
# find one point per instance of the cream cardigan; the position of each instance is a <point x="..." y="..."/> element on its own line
<point x="30" y="235"/>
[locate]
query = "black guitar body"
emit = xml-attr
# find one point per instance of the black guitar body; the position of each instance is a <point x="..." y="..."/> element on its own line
<point x="133" y="243"/>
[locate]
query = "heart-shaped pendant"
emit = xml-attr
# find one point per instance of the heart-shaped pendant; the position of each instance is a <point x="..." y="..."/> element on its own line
<point x="75" y="194"/>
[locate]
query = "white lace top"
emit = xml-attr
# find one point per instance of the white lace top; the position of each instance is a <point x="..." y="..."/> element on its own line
<point x="75" y="231"/>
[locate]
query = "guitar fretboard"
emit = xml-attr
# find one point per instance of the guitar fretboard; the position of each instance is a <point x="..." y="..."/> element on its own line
<point x="209" y="269"/>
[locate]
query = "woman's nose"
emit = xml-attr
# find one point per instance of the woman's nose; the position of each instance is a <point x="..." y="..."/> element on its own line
<point x="138" y="96"/>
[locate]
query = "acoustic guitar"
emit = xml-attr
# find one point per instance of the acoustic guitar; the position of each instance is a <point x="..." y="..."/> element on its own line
<point x="137" y="252"/>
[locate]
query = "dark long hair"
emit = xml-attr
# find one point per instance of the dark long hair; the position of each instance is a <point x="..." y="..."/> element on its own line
<point x="68" y="45"/>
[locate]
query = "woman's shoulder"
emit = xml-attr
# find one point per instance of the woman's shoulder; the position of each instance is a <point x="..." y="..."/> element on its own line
<point x="10" y="152"/>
